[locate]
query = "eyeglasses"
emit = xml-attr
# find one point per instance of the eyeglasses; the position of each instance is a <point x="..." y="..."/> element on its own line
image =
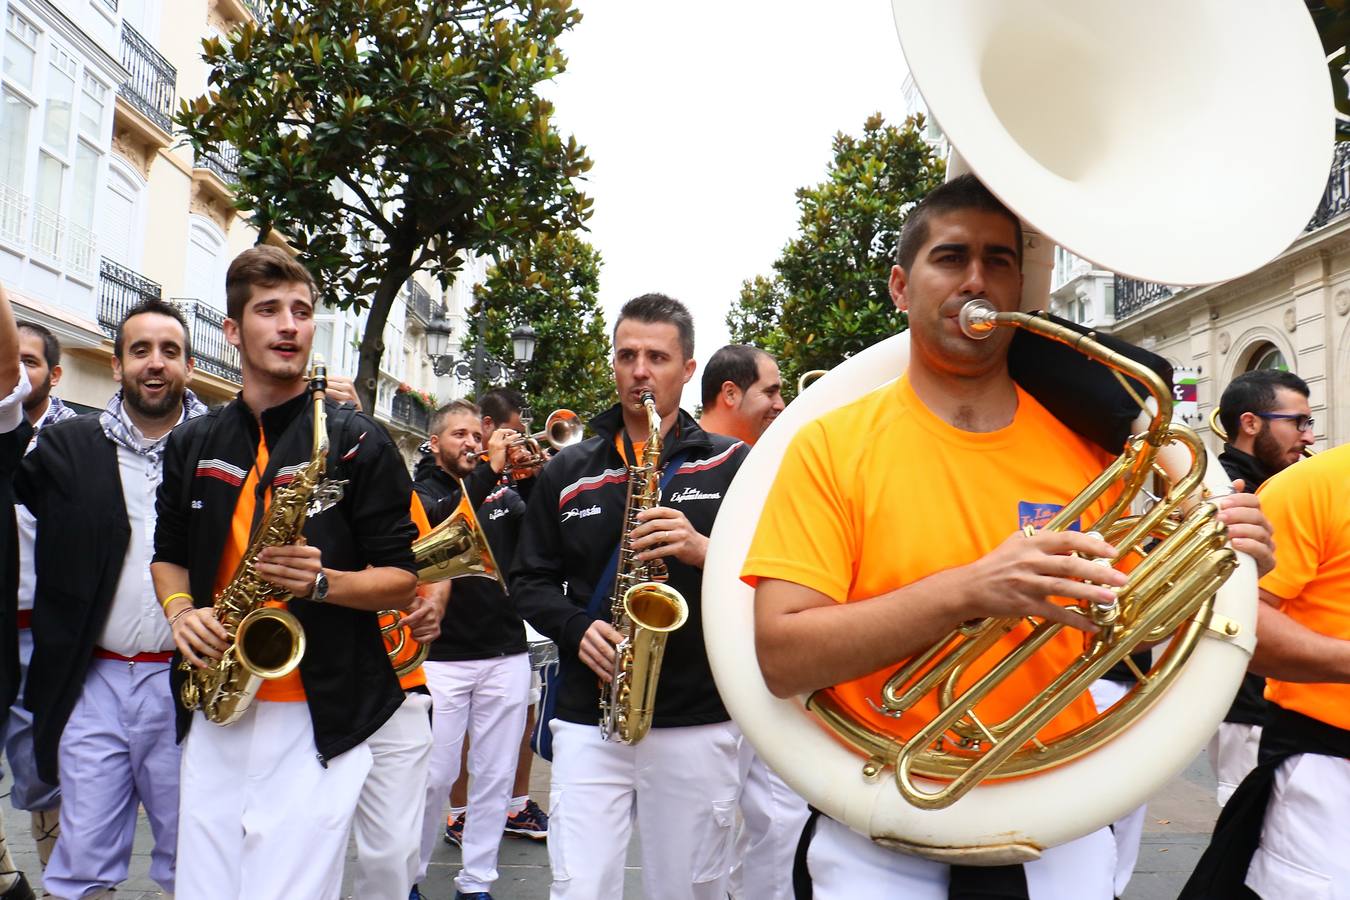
<point x="1301" y="422"/>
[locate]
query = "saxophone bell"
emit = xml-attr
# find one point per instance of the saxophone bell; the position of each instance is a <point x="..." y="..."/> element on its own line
<point x="264" y="641"/>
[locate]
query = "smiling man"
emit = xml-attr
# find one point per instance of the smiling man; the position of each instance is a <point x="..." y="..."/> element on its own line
<point x="742" y="392"/>
<point x="680" y="782"/>
<point x="268" y="799"/>
<point x="99" y="678"/>
<point x="477" y="668"/>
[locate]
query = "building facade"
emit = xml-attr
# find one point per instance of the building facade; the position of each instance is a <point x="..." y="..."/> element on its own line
<point x="102" y="205"/>
<point x="1292" y="313"/>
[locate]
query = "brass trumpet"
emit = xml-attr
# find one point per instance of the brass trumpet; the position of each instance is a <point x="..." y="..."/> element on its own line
<point x="562" y="428"/>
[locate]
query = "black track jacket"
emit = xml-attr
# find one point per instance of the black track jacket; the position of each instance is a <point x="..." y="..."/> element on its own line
<point x="350" y="688"/>
<point x="1250" y="706"/>
<point x="573" y="524"/>
<point x="481" y="621"/>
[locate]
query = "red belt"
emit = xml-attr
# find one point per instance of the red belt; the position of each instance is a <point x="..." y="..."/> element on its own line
<point x="156" y="656"/>
<point x="25" y="619"/>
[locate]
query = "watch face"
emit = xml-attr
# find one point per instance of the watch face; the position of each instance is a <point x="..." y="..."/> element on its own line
<point x="320" y="587"/>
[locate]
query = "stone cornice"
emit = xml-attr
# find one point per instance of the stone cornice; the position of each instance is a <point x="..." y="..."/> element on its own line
<point x="1319" y="244"/>
<point x="77" y="37"/>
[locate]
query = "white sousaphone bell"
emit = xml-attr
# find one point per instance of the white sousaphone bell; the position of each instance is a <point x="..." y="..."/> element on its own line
<point x="1175" y="142"/>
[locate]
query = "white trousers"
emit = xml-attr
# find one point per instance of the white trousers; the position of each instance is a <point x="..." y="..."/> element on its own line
<point x="678" y="784"/>
<point x="844" y="865"/>
<point x="772" y="817"/>
<point x="1128" y="830"/>
<point x="388" y="824"/>
<point x="1306" y="835"/>
<point x="485" y="698"/>
<point x="1232" y="755"/>
<point x="261" y="818"/>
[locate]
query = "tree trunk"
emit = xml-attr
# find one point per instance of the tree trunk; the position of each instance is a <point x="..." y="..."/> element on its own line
<point x="372" y="341"/>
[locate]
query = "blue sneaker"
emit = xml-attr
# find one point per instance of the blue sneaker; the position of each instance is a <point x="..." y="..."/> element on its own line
<point x="454" y="831"/>
<point x="476" y="895"/>
<point x="414" y="894"/>
<point x="531" y="822"/>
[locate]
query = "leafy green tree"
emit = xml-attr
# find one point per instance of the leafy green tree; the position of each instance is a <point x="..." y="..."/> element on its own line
<point x="828" y="297"/>
<point x="552" y="286"/>
<point x="1332" y="18"/>
<point x="385" y="137"/>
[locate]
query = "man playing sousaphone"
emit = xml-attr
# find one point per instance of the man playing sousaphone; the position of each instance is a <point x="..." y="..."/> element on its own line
<point x="898" y="517"/>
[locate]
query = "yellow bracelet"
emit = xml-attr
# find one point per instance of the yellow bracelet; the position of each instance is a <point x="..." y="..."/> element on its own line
<point x="172" y="597"/>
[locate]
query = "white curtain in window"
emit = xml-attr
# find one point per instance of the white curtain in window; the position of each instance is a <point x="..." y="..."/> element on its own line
<point x="119" y="234"/>
<point x="205" y="279"/>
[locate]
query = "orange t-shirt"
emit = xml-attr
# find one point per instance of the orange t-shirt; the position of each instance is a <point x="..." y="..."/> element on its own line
<point x="638" y="447"/>
<point x="1306" y="504"/>
<point x="417" y="677"/>
<point x="881" y="493"/>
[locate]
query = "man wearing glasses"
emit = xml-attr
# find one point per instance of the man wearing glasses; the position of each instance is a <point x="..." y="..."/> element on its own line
<point x="1266" y="417"/>
<point x="1268" y="422"/>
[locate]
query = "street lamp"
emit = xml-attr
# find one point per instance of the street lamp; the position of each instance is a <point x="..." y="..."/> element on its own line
<point x="522" y="345"/>
<point x="482" y="368"/>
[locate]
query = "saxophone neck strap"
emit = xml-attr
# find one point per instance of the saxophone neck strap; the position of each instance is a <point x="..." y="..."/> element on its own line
<point x="610" y="572"/>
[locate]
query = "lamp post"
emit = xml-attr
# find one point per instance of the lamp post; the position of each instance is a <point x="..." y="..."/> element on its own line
<point x="482" y="368"/>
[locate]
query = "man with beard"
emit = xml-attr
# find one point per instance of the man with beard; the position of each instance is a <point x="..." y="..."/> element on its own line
<point x="1269" y="424"/>
<point x="40" y="355"/>
<point x="502" y="408"/>
<point x="679" y="782"/>
<point x="99" y="685"/>
<point x="267" y="800"/>
<point x="742" y="393"/>
<point x="478" y="670"/>
<point x="14" y="391"/>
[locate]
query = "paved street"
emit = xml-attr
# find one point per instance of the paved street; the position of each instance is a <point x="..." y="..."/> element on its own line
<point x="1176" y="831"/>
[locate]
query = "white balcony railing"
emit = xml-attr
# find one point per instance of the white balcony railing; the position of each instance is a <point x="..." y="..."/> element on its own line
<point x="48" y="230"/>
<point x="13" y="212"/>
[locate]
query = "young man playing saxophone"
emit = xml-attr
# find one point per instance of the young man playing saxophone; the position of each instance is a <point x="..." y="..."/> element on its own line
<point x="850" y="580"/>
<point x="680" y="781"/>
<point x="267" y="801"/>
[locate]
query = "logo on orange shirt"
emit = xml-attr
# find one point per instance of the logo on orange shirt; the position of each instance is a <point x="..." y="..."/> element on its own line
<point x="1038" y="515"/>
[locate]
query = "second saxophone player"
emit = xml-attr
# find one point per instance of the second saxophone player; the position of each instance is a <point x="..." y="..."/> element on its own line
<point x="680" y="781"/>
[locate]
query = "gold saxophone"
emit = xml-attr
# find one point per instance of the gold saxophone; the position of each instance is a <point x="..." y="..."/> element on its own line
<point x="265" y="642"/>
<point x="644" y="610"/>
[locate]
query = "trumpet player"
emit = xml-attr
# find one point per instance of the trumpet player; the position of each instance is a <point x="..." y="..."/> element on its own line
<point x="680" y="782"/>
<point x="99" y="676"/>
<point x="896" y="518"/>
<point x="267" y="800"/>
<point x="478" y="669"/>
<point x="502" y="410"/>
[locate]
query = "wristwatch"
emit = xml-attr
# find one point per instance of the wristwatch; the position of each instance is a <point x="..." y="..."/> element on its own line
<point x="320" y="592"/>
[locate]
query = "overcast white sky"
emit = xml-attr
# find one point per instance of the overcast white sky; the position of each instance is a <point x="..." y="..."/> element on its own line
<point x="703" y="117"/>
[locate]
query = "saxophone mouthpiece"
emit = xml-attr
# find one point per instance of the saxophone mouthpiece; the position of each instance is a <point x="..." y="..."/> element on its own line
<point x="318" y="374"/>
<point x="978" y="319"/>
